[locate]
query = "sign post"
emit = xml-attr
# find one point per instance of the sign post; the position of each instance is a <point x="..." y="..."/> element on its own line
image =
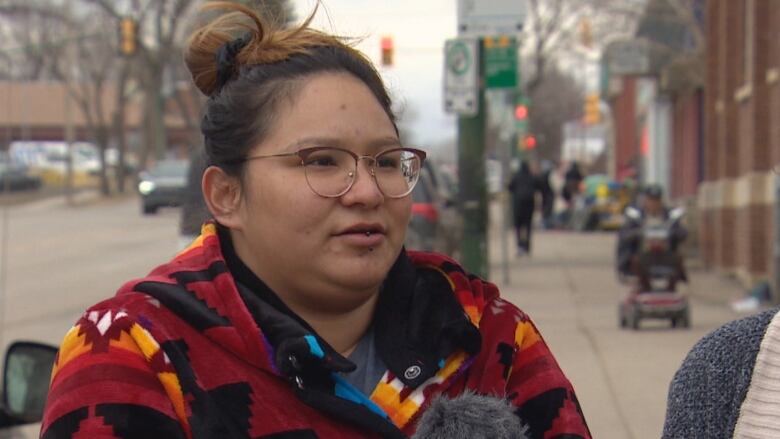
<point x="464" y="96"/>
<point x="467" y="75"/>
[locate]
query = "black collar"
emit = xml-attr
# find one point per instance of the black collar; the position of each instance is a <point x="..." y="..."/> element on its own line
<point x="417" y="324"/>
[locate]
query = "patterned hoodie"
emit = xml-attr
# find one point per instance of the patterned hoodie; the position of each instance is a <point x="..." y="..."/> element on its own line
<point x="201" y="348"/>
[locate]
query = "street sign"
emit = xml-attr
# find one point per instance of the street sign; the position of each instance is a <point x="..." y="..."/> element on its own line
<point x="628" y="57"/>
<point x="461" y="77"/>
<point x="490" y="17"/>
<point x="500" y="55"/>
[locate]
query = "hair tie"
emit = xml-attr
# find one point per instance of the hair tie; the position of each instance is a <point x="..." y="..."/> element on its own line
<point x="226" y="59"/>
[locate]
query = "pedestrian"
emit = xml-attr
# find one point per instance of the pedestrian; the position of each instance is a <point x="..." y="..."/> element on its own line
<point x="545" y="189"/>
<point x="572" y="180"/>
<point x="522" y="186"/>
<point x="297" y="312"/>
<point x="571" y="188"/>
<point x="727" y="385"/>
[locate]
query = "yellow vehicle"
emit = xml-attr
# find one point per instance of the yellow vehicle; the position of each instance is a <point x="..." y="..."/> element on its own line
<point x="602" y="203"/>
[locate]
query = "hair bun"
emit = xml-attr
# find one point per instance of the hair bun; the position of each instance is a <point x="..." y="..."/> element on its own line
<point x="257" y="42"/>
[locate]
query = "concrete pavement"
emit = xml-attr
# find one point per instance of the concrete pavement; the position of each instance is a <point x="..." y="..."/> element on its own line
<point x="569" y="289"/>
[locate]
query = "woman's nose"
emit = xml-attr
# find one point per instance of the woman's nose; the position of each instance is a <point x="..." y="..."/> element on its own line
<point x="365" y="189"/>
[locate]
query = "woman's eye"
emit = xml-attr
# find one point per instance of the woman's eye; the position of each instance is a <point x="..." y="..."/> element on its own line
<point x="387" y="162"/>
<point x="321" y="160"/>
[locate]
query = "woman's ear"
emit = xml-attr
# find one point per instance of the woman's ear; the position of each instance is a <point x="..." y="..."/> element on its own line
<point x="222" y="194"/>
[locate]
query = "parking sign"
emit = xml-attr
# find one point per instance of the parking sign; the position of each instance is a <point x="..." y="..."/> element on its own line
<point x="461" y="79"/>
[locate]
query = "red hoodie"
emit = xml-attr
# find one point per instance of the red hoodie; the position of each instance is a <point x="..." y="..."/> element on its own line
<point x="196" y="350"/>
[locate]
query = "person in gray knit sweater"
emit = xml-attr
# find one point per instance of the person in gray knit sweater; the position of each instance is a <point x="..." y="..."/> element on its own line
<point x="709" y="395"/>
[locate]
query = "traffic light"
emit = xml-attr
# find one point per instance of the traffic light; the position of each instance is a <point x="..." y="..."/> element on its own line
<point x="521" y="112"/>
<point x="128" y="36"/>
<point x="387" y="51"/>
<point x="592" y="109"/>
<point x="530" y="142"/>
<point x="586" y="34"/>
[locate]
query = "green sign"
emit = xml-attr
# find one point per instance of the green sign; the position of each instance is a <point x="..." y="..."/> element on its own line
<point x="500" y="57"/>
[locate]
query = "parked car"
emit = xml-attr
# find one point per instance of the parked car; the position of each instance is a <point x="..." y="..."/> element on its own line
<point x="164" y="184"/>
<point x="16" y="178"/>
<point x="26" y="373"/>
<point x="436" y="225"/>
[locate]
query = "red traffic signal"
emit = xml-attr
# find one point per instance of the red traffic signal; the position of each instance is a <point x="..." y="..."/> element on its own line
<point x="530" y="142"/>
<point x="387" y="51"/>
<point x="521" y="112"/>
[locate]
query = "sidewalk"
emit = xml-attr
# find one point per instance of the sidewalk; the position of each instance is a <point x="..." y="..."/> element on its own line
<point x="707" y="285"/>
<point x="53" y="200"/>
<point x="569" y="288"/>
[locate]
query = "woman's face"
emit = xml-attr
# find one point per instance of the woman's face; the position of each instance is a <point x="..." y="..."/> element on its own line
<point x="313" y="251"/>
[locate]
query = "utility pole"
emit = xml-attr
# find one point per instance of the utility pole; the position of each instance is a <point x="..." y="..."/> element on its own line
<point x="483" y="56"/>
<point x="471" y="175"/>
<point x="70" y="63"/>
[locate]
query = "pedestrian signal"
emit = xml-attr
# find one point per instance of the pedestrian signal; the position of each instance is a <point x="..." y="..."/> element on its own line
<point x="387" y="51"/>
<point x="530" y="142"/>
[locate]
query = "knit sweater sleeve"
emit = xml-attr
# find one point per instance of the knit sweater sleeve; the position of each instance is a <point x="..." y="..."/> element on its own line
<point x="708" y="389"/>
<point x="110" y="379"/>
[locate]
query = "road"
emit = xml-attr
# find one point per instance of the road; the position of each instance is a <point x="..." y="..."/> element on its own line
<point x="57" y="260"/>
<point x="621" y="377"/>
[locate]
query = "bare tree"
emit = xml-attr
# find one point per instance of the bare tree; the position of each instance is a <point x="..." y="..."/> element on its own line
<point x="564" y="28"/>
<point x="557" y="99"/>
<point x="46" y="32"/>
<point x="160" y="31"/>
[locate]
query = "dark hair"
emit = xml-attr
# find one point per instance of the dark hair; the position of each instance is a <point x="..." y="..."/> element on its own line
<point x="267" y="64"/>
<point x="654" y="191"/>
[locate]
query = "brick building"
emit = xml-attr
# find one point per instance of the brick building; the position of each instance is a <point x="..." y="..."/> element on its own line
<point x="737" y="199"/>
<point x="36" y="111"/>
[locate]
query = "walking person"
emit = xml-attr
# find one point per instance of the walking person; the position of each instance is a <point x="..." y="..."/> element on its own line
<point x="297" y="312"/>
<point x="523" y="190"/>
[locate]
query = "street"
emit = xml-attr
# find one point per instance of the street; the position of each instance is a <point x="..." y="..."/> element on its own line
<point x="59" y="260"/>
<point x="56" y="260"/>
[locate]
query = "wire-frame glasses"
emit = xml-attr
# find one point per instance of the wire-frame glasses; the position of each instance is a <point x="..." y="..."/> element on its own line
<point x="331" y="172"/>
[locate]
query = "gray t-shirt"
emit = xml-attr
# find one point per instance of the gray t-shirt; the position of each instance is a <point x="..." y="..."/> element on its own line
<point x="370" y="367"/>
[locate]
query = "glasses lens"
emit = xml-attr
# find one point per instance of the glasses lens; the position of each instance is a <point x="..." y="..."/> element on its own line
<point x="397" y="172"/>
<point x="329" y="171"/>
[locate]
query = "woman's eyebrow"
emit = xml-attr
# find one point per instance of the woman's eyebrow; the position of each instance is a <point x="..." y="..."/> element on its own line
<point x="373" y="144"/>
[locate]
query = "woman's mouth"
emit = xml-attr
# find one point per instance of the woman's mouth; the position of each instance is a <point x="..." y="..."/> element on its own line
<point x="363" y="235"/>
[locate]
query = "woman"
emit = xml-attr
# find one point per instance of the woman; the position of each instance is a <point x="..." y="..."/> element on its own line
<point x="297" y="313"/>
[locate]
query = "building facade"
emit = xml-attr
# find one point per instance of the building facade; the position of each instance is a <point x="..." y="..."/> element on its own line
<point x="737" y="199"/>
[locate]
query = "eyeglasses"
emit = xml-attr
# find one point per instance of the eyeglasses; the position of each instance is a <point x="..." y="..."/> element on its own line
<point x="331" y="172"/>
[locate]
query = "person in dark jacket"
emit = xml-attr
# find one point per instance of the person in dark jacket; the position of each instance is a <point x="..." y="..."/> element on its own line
<point x="547" y="194"/>
<point x="571" y="182"/>
<point x="522" y="186"/>
<point x="297" y="312"/>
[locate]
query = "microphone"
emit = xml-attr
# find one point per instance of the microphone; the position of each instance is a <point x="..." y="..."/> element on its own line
<point x="470" y="416"/>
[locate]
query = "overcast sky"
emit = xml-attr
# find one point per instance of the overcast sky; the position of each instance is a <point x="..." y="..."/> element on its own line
<point x="419" y="29"/>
